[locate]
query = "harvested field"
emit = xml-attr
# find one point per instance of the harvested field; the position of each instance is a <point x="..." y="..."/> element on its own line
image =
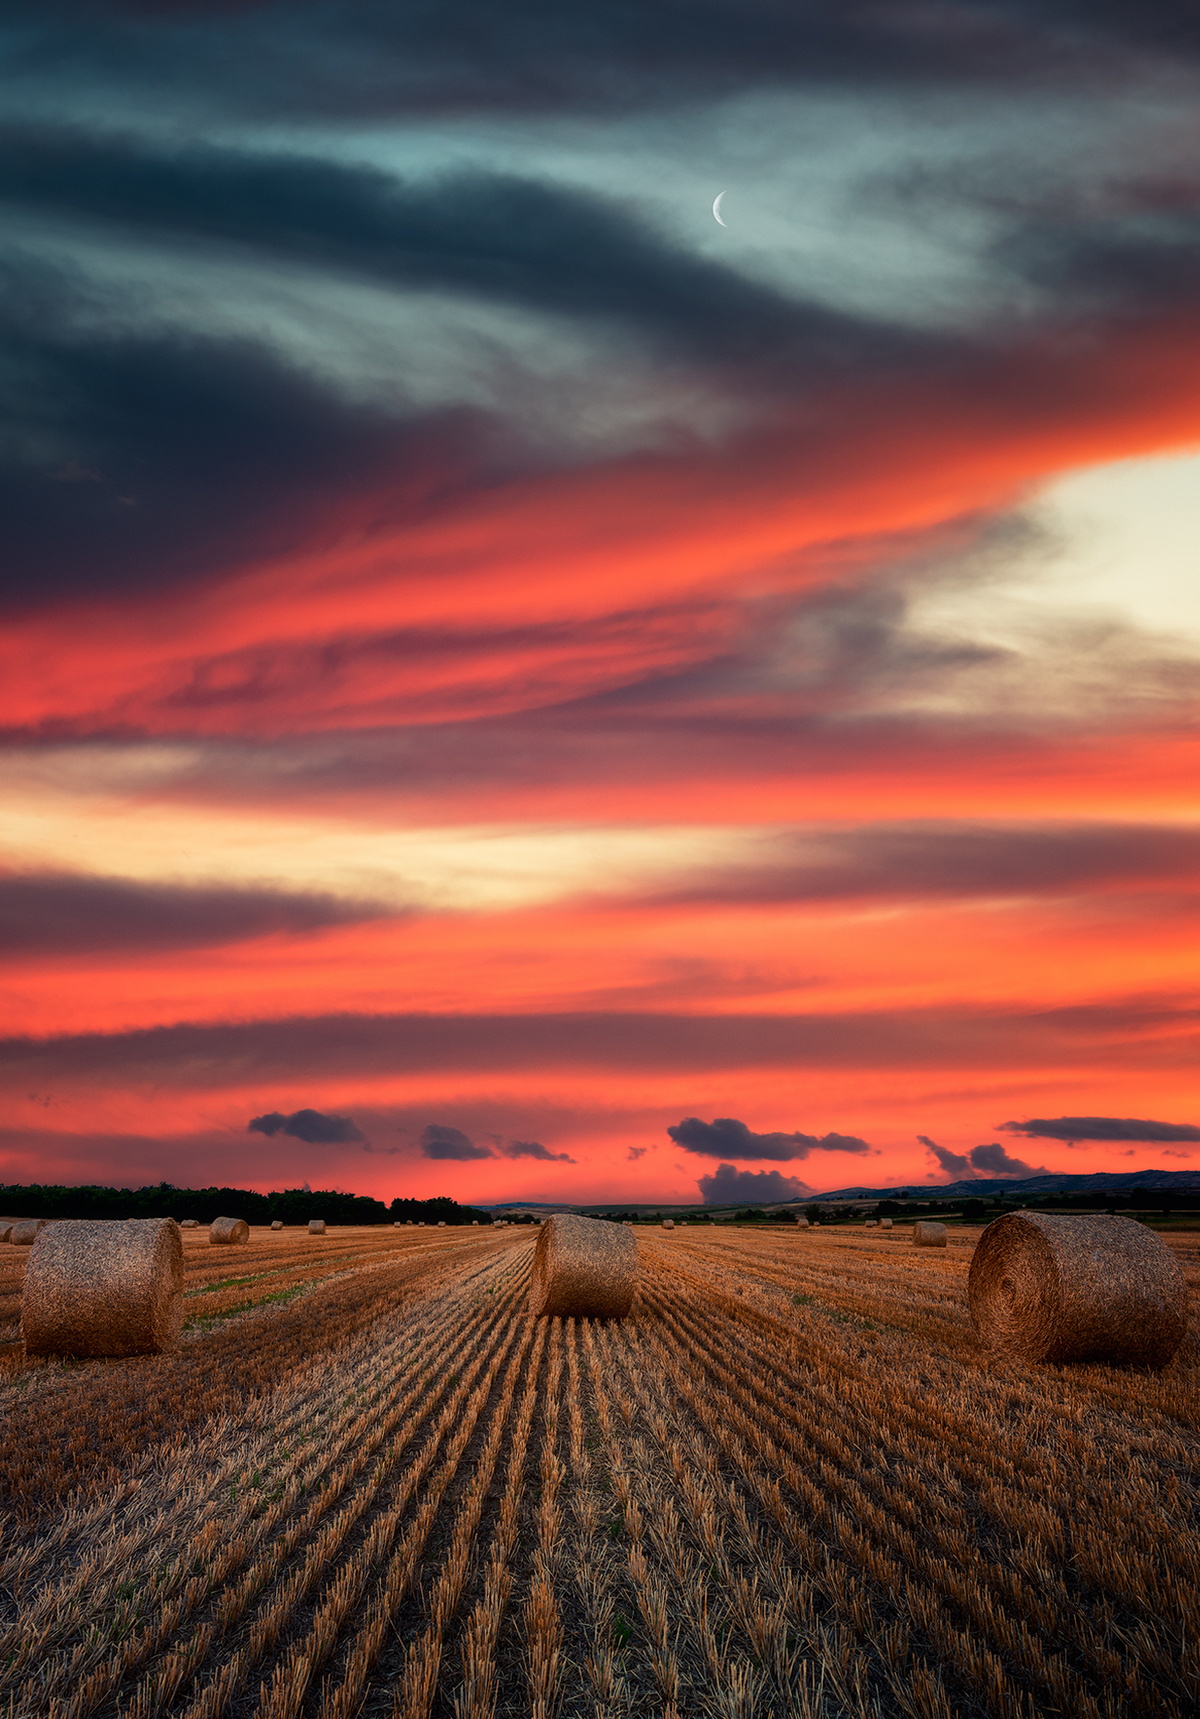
<point x="789" y="1483"/>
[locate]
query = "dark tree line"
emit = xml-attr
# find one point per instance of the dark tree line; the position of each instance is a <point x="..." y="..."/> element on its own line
<point x="291" y="1205"/>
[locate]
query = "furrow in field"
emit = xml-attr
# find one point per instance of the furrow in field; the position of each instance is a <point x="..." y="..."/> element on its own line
<point x="343" y="1442"/>
<point x="860" y="1518"/>
<point x="85" y="1425"/>
<point x="283" y="1696"/>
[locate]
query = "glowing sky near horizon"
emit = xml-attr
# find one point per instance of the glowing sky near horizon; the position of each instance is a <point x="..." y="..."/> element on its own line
<point x="492" y="656"/>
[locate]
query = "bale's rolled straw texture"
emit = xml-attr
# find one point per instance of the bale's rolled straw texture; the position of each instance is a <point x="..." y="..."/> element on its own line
<point x="229" y="1230"/>
<point x="316" y="1226"/>
<point x="1060" y="1287"/>
<point x="104" y="1286"/>
<point x="26" y="1231"/>
<point x="583" y="1267"/>
<point x="927" y="1234"/>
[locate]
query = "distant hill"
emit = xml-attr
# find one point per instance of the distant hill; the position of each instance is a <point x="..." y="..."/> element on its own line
<point x="1100" y="1181"/>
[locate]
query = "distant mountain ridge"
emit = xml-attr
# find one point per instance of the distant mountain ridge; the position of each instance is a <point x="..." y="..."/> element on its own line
<point x="1051" y="1183"/>
<point x="1098" y="1182"/>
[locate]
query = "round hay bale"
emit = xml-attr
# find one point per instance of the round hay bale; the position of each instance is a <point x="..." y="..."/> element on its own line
<point x="668" y="1223"/>
<point x="885" y="1223"/>
<point x="870" y="1223"/>
<point x="927" y="1233"/>
<point x="441" y="1223"/>
<point x="276" y="1223"/>
<point x="229" y="1231"/>
<point x="104" y="1286"/>
<point x="5" y="1229"/>
<point x="475" y="1223"/>
<point x="583" y="1267"/>
<point x="26" y="1231"/>
<point x="802" y="1223"/>
<point x="189" y="1223"/>
<point x="1064" y="1287"/>
<point x="316" y="1226"/>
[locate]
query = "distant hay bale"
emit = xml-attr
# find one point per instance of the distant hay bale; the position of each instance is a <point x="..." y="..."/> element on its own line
<point x="26" y="1231"/>
<point x="885" y="1223"/>
<point x="668" y="1223"/>
<point x="475" y="1223"/>
<point x="104" y="1286"/>
<point x="870" y="1223"/>
<point x="583" y="1267"/>
<point x="316" y="1226"/>
<point x="929" y="1234"/>
<point x="441" y="1224"/>
<point x="276" y="1223"/>
<point x="802" y="1223"/>
<point x="1065" y="1287"/>
<point x="189" y="1223"/>
<point x="229" y="1231"/>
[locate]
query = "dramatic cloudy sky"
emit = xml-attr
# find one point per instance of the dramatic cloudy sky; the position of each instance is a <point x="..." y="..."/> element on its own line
<point x="496" y="666"/>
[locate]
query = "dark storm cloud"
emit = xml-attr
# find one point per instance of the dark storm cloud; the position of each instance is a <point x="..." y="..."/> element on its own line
<point x="993" y="1160"/>
<point x="981" y="1161"/>
<point x="726" y="1137"/>
<point x="507" y="239"/>
<point x="1100" y="1128"/>
<point x="942" y="858"/>
<point x="308" y="1125"/>
<point x="441" y="1141"/>
<point x="1138" y="1034"/>
<point x="132" y="461"/>
<point x="63" y="914"/>
<point x="953" y="1163"/>
<point x="374" y="56"/>
<point x="534" y="1149"/>
<point x="728" y="1186"/>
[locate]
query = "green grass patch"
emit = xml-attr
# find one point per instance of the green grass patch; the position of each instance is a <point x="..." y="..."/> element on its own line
<point x="207" y="1321"/>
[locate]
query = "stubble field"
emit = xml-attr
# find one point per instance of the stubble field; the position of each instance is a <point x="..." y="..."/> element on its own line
<point x="790" y="1483"/>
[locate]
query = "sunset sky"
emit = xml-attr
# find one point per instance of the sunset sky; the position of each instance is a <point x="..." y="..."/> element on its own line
<point x="497" y="666"/>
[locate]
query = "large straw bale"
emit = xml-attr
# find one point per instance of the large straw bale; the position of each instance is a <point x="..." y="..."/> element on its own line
<point x="104" y="1286"/>
<point x="585" y="1267"/>
<point x="276" y="1223"/>
<point x="668" y="1223"/>
<point x="229" y="1230"/>
<point x="928" y="1234"/>
<point x="885" y="1223"/>
<point x="1065" y="1287"/>
<point x="26" y="1231"/>
<point x="316" y="1226"/>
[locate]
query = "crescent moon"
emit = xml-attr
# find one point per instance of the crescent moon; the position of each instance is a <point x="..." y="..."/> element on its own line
<point x="717" y="209"/>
